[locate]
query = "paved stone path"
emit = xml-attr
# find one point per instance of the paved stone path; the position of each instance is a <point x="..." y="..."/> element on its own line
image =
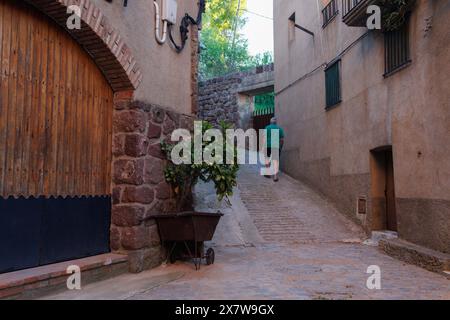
<point x="276" y="241"/>
<point x="287" y="211"/>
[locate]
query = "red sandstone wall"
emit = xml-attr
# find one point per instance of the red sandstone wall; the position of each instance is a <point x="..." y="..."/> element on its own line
<point x="139" y="189"/>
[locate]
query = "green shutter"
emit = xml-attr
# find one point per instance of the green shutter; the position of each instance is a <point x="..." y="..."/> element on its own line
<point x="264" y="104"/>
<point x="333" y="85"/>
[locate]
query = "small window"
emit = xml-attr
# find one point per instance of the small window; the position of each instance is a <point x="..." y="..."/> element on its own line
<point x="397" y="54"/>
<point x="333" y="84"/>
<point x="329" y="12"/>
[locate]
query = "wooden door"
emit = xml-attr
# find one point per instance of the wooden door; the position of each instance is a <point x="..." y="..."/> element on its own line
<point x="55" y="143"/>
<point x="55" y="110"/>
<point x="391" y="212"/>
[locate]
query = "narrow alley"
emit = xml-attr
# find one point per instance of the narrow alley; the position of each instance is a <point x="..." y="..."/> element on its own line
<point x="122" y="124"/>
<point x="276" y="241"/>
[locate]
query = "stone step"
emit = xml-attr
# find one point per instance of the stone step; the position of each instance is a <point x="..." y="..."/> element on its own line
<point x="426" y="258"/>
<point x="36" y="282"/>
<point x="377" y="236"/>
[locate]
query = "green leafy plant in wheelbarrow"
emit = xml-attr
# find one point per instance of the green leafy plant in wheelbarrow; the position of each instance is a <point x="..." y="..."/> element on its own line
<point x="187" y="227"/>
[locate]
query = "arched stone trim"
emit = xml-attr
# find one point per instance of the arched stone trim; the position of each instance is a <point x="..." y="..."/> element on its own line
<point x="98" y="37"/>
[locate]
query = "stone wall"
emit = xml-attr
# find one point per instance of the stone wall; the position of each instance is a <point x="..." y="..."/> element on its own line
<point x="219" y="100"/>
<point x="139" y="190"/>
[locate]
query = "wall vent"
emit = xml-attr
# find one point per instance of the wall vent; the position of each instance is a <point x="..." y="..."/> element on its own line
<point x="362" y="205"/>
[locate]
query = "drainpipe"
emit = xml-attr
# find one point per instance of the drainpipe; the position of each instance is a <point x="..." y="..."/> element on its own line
<point x="160" y="39"/>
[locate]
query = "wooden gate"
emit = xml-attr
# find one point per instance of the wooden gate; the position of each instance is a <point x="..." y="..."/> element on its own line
<point x="55" y="142"/>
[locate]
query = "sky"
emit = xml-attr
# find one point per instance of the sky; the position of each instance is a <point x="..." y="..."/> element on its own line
<point x="259" y="29"/>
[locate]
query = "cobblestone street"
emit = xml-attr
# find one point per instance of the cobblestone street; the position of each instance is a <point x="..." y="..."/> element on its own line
<point x="277" y="241"/>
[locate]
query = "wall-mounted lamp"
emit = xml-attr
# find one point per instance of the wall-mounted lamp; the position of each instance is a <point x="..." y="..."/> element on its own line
<point x="184" y="27"/>
<point x="125" y="2"/>
<point x="167" y="15"/>
<point x="292" y="19"/>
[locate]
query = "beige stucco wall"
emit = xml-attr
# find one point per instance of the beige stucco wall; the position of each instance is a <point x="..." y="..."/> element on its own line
<point x="409" y="110"/>
<point x="167" y="75"/>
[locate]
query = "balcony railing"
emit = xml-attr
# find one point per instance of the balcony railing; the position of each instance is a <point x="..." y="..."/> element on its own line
<point x="329" y="12"/>
<point x="349" y="5"/>
<point x="354" y="12"/>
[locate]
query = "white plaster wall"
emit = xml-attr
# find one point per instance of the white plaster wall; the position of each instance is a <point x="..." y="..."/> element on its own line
<point x="167" y="75"/>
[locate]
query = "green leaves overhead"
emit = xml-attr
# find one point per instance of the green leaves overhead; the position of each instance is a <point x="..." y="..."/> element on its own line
<point x="224" y="49"/>
<point x="394" y="13"/>
<point x="221" y="14"/>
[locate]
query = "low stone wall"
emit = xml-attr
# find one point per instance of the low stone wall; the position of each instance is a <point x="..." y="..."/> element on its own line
<point x="423" y="257"/>
<point x="139" y="189"/>
<point x="218" y="98"/>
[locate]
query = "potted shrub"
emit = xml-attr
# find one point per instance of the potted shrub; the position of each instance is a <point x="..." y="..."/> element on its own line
<point x="395" y="13"/>
<point x="186" y="226"/>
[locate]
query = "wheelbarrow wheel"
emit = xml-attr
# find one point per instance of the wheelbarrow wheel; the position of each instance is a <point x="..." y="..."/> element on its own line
<point x="210" y="256"/>
<point x="172" y="258"/>
<point x="172" y="253"/>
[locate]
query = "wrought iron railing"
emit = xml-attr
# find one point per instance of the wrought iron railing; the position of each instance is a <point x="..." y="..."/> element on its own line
<point x="329" y="12"/>
<point x="397" y="51"/>
<point x="349" y="5"/>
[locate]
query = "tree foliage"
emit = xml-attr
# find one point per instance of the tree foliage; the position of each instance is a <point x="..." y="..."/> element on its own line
<point x="223" y="48"/>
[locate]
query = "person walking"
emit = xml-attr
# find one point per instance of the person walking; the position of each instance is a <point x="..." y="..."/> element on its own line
<point x="274" y="148"/>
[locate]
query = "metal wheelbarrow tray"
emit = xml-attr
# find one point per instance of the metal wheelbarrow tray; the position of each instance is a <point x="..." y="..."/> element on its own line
<point x="191" y="229"/>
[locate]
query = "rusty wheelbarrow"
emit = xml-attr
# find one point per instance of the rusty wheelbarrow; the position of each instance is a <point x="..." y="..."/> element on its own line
<point x="190" y="229"/>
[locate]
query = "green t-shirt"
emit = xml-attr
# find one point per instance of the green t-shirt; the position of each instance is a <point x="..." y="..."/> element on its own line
<point x="269" y="129"/>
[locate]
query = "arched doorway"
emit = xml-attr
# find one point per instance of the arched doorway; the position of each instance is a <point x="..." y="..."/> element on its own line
<point x="55" y="144"/>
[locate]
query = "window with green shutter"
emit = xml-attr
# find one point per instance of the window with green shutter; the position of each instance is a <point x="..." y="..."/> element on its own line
<point x="333" y="84"/>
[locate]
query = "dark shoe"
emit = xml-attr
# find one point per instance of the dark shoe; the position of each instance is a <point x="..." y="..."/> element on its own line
<point x="268" y="177"/>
